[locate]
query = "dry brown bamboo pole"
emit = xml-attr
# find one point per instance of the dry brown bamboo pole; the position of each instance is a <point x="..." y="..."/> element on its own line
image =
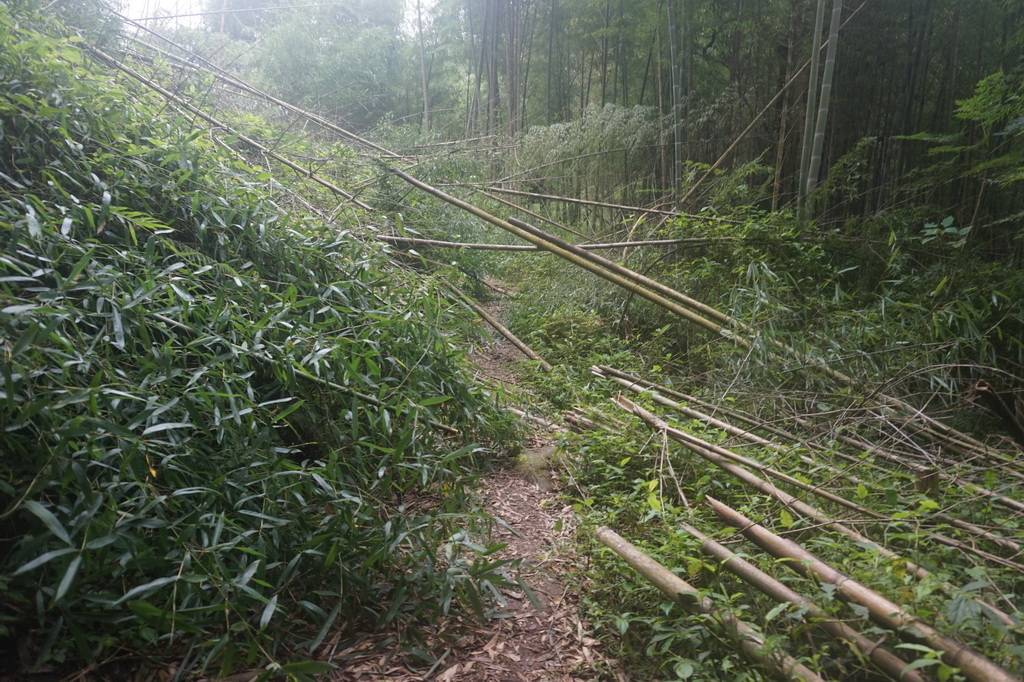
<point x="886" y="661"/>
<point x="579" y="257"/>
<point x="501" y="329"/>
<point x="972" y="488"/>
<point x="170" y="96"/>
<point x="797" y="505"/>
<point x="523" y="247"/>
<point x="687" y="439"/>
<point x="636" y="386"/>
<point x="973" y="665"/>
<point x="1004" y="542"/>
<point x="751" y="644"/>
<point x="533" y="214"/>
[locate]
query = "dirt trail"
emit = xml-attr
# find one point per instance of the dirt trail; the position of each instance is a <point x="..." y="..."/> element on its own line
<point x="551" y="643"/>
<point x="520" y="642"/>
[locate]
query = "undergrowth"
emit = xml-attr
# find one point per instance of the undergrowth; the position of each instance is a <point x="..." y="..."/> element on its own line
<point x="228" y="432"/>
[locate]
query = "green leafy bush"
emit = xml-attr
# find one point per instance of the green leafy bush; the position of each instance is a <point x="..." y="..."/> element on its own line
<point x="223" y="439"/>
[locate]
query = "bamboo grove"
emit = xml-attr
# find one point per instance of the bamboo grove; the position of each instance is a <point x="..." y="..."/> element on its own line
<point x="763" y="261"/>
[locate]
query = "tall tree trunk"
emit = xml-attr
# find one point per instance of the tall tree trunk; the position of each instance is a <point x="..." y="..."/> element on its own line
<point x="826" y="96"/>
<point x="812" y="94"/>
<point x="780" y="148"/>
<point x="423" y="68"/>
<point x="677" y="121"/>
<point x="606" y="16"/>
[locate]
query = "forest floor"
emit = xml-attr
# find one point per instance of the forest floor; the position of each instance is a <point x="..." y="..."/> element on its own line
<point x="519" y="641"/>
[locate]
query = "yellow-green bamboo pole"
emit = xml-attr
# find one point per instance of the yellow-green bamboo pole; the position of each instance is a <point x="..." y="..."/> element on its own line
<point x="973" y="665"/>
<point x="751" y="644"/>
<point x="886" y="661"/>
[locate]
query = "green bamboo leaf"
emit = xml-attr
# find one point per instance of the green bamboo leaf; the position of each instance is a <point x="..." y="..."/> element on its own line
<point x="115" y="316"/>
<point x="268" y="612"/>
<point x="147" y="587"/>
<point x="308" y="667"/>
<point x="43" y="558"/>
<point x="437" y="400"/>
<point x="48" y="519"/>
<point x="18" y="309"/>
<point x="166" y="426"/>
<point x="81" y="264"/>
<point x="68" y="579"/>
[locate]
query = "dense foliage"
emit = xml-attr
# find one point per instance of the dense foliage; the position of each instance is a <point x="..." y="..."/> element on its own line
<point x="231" y="429"/>
<point x="228" y="431"/>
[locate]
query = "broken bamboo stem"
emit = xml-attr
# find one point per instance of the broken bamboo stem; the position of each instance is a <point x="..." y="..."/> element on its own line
<point x="501" y="329"/>
<point x="751" y="644"/>
<point x="973" y="665"/>
<point x="588" y="261"/>
<point x="797" y="505"/>
<point x="886" y="661"/>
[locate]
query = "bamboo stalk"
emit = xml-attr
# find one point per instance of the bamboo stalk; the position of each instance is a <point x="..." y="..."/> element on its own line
<point x="886" y="661"/>
<point x="973" y="665"/>
<point x="533" y="214"/>
<point x="973" y="488"/>
<point x="602" y="204"/>
<point x="238" y="83"/>
<point x="635" y="385"/>
<point x="501" y="329"/>
<point x="799" y="506"/>
<point x="728" y="152"/>
<point x="732" y="414"/>
<point x="523" y="247"/>
<point x="170" y="96"/>
<point x="751" y="644"/>
<point x="719" y="453"/>
<point x="586" y="260"/>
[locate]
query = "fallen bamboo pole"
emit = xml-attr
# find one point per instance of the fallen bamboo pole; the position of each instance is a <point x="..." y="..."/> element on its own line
<point x="794" y="503"/>
<point x="582" y="258"/>
<point x="886" y="661"/>
<point x="637" y="387"/>
<point x="524" y="247"/>
<point x="973" y="665"/>
<point x="532" y="214"/>
<point x="719" y="452"/>
<point x="501" y="329"/>
<point x="602" y="204"/>
<point x="239" y="84"/>
<point x="751" y="644"/>
<point x="177" y="101"/>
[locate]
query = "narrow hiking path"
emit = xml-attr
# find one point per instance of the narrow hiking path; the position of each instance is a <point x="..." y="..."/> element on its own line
<point x="538" y="637"/>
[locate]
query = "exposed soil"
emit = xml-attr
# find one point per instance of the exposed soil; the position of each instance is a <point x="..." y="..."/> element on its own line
<point x="520" y="642"/>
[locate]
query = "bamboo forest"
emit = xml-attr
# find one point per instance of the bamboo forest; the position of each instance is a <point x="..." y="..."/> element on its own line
<point x="500" y="340"/>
